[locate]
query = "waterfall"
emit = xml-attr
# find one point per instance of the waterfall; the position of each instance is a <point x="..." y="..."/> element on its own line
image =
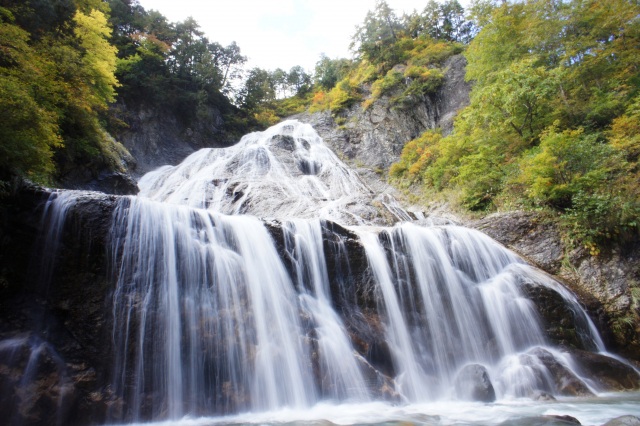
<point x="451" y="298"/>
<point x="261" y="277"/>
<point x="205" y="314"/>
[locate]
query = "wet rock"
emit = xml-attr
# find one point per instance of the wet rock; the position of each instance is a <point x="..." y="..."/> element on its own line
<point x="34" y="385"/>
<point x="566" y="419"/>
<point x="473" y="384"/>
<point x="530" y="234"/>
<point x="351" y="279"/>
<point x="113" y="182"/>
<point x="624" y="421"/>
<point x="60" y="315"/>
<point x="550" y="420"/>
<point x="603" y="283"/>
<point x="380" y="384"/>
<point x="561" y="323"/>
<point x="539" y="395"/>
<point x="566" y="383"/>
<point x="608" y="373"/>
<point x="285" y="142"/>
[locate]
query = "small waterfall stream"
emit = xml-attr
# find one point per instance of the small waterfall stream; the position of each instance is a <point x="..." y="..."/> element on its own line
<point x="218" y="312"/>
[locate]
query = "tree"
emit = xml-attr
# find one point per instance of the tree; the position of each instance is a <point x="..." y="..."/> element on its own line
<point x="374" y="39"/>
<point x="39" y="17"/>
<point x="229" y="61"/>
<point x="440" y="21"/>
<point x="28" y="129"/>
<point x="552" y="120"/>
<point x="188" y="49"/>
<point x="454" y="25"/>
<point x="127" y="18"/>
<point x="299" y="80"/>
<point x="99" y="56"/>
<point x="329" y="71"/>
<point x="258" y="88"/>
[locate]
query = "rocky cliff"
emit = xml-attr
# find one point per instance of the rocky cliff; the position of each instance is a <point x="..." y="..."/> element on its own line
<point x="156" y="137"/>
<point x="374" y="137"/>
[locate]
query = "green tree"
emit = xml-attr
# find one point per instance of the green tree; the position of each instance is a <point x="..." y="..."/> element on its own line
<point x="99" y="60"/>
<point x="329" y="71"/>
<point x="258" y="88"/>
<point x="229" y="61"/>
<point x="28" y="129"/>
<point x="299" y="80"/>
<point x="375" y="38"/>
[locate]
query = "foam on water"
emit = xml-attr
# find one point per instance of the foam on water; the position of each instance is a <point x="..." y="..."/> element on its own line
<point x="522" y="412"/>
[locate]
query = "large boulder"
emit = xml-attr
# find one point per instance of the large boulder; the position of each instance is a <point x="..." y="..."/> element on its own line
<point x="566" y="383"/>
<point x="608" y="373"/>
<point x="473" y="384"/>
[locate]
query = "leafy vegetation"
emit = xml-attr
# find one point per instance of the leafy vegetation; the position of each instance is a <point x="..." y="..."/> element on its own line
<point x="56" y="79"/>
<point x="64" y="63"/>
<point x="553" y="118"/>
<point x="398" y="57"/>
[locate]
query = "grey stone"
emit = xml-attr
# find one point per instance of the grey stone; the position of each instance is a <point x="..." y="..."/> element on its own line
<point x="624" y="421"/>
<point x="473" y="384"/>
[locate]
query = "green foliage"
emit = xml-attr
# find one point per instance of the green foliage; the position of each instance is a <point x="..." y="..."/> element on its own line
<point x="417" y="155"/>
<point x="444" y="20"/>
<point x="417" y="73"/>
<point x="386" y="84"/>
<point x="553" y="118"/>
<point x="28" y="132"/>
<point x="100" y="56"/>
<point x="344" y="95"/>
<point x="53" y="88"/>
<point x="565" y="164"/>
<point x="329" y="71"/>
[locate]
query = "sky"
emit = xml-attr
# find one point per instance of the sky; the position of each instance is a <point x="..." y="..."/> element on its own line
<point x="279" y="33"/>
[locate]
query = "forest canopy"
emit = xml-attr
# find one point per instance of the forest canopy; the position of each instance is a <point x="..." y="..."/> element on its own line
<point x="64" y="63"/>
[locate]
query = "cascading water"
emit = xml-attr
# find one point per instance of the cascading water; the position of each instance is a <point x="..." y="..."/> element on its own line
<point x="217" y="312"/>
<point x="205" y="314"/>
<point x="285" y="172"/>
<point x="452" y="298"/>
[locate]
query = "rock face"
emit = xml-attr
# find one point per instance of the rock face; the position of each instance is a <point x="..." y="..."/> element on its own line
<point x="108" y="172"/>
<point x="566" y="383"/>
<point x="156" y="138"/>
<point x="473" y="384"/>
<point x="375" y="137"/>
<point x="53" y="325"/>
